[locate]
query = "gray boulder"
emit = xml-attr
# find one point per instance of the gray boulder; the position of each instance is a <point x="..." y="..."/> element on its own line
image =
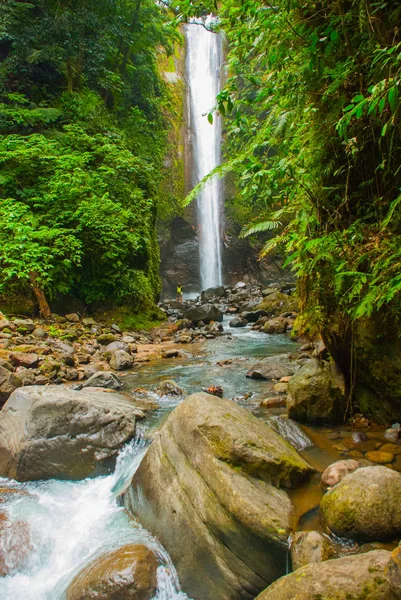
<point x="104" y="379"/>
<point x="117" y="346"/>
<point x="213" y="292"/>
<point x="238" y="322"/>
<point x="361" y="577"/>
<point x="277" y="325"/>
<point x="225" y="521"/>
<point x="56" y="432"/>
<point x="253" y="315"/>
<point x="365" y="505"/>
<point x="121" y="360"/>
<point x="310" y="547"/>
<point x="316" y="393"/>
<point x="205" y="313"/>
<point x="273" y="367"/>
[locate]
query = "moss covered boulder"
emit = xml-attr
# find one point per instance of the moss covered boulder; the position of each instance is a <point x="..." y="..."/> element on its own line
<point x="276" y="304"/>
<point x="316" y="393"/>
<point x="361" y="577"/>
<point x="128" y="573"/>
<point x="210" y="489"/>
<point x="365" y="505"/>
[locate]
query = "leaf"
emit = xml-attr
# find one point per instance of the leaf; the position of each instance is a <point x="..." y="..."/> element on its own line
<point x="393" y="98"/>
<point x="210" y="118"/>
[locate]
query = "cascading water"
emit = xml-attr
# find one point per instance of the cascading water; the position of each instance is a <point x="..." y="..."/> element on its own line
<point x="71" y="523"/>
<point x="203" y="69"/>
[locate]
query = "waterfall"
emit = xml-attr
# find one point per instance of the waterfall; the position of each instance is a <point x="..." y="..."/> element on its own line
<point x="203" y="69"/>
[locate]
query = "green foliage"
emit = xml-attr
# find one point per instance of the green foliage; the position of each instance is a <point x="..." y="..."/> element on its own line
<point x="313" y="136"/>
<point x="84" y="130"/>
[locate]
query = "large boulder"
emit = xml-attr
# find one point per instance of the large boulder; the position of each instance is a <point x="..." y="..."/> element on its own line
<point x="277" y="325"/>
<point x="276" y="304"/>
<point x="8" y="383"/>
<point x="225" y="521"/>
<point x="211" y="293"/>
<point x="316" y="393"/>
<point x="128" y="573"/>
<point x="55" y="432"/>
<point x="121" y="360"/>
<point x="361" y="577"/>
<point x="365" y="505"/>
<point x="205" y="313"/>
<point x="273" y="367"/>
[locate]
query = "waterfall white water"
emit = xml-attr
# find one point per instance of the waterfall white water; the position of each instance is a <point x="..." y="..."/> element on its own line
<point x="71" y="523"/>
<point x="203" y="71"/>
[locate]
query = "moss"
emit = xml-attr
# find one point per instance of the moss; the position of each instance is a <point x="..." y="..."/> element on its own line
<point x="128" y="320"/>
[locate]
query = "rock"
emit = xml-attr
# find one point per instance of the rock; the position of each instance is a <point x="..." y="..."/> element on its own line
<point x="240" y="285"/>
<point x="365" y="505"/>
<point x="223" y="520"/>
<point x="392" y="435"/>
<point x="214" y="390"/>
<point x="64" y="352"/>
<point x="277" y="303"/>
<point x="88" y="321"/>
<point x="358" y="437"/>
<point x="169" y="388"/>
<point x="26" y="376"/>
<point x="317" y="393"/>
<point x="114" y="327"/>
<point x="273" y="367"/>
<point x="24" y="359"/>
<point x="121" y="360"/>
<point x="338" y="470"/>
<point x="6" y="365"/>
<point x="254" y="315"/>
<point x="360" y="577"/>
<point x="8" y="383"/>
<point x="380" y="457"/>
<point x="392" y="448"/>
<point x="128" y="573"/>
<point x="39" y="332"/>
<point x="281" y="388"/>
<point x="173" y="353"/>
<point x="310" y="547"/>
<point x="15" y="544"/>
<point x="106" y="338"/>
<point x="5" y="324"/>
<point x="104" y="379"/>
<point x="273" y="402"/>
<point x="213" y="292"/>
<point x="205" y="313"/>
<point x="185" y="339"/>
<point x="238" y="322"/>
<point x="24" y="324"/>
<point x="73" y="318"/>
<point x="278" y="325"/>
<point x="117" y="346"/>
<point x="56" y="432"/>
<point x="394" y="572"/>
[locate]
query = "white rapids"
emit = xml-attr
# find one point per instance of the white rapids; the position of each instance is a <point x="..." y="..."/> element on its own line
<point x="72" y="523"/>
<point x="203" y="71"/>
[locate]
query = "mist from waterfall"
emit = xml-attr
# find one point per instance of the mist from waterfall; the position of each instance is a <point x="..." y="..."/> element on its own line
<point x="203" y="71"/>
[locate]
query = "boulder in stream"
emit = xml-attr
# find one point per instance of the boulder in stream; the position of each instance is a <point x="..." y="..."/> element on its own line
<point x="128" y="573"/>
<point x="335" y="472"/>
<point x="361" y="577"/>
<point x="209" y="490"/>
<point x="365" y="505"/>
<point x="273" y="367"/>
<point x="204" y="312"/>
<point x="316" y="393"/>
<point x="310" y="547"/>
<point x="56" y="432"/>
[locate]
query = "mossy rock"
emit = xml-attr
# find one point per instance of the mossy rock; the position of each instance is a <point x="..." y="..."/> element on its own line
<point x="365" y="505"/>
<point x="276" y="304"/>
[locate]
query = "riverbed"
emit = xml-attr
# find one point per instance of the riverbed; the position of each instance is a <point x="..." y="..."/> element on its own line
<point x="73" y="522"/>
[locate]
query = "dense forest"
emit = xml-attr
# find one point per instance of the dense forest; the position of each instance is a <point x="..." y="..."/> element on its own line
<point x="83" y="122"/>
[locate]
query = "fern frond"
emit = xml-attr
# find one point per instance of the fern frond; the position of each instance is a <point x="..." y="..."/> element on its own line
<point x="257" y="227"/>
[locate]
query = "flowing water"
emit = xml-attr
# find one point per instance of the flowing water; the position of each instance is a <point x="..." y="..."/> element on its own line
<point x="203" y="73"/>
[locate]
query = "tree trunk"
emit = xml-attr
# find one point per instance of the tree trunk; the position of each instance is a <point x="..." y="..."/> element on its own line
<point x="44" y="307"/>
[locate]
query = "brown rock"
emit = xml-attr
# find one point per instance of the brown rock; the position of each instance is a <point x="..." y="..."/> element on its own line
<point x="310" y="547"/>
<point x="338" y="470"/>
<point x="128" y="573"/>
<point x="23" y="359"/>
<point x="380" y="457"/>
<point x="8" y="383"/>
<point x="273" y="402"/>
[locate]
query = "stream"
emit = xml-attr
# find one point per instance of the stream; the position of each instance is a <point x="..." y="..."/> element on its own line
<point x="74" y="522"/>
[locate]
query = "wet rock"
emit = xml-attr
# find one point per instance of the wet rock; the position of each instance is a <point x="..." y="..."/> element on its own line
<point x="365" y="505"/>
<point x="212" y="293"/>
<point x="273" y="402"/>
<point x="253" y="316"/>
<point x="224" y="518"/>
<point x="121" y="360"/>
<point x="392" y="448"/>
<point x="15" y="544"/>
<point x="361" y="577"/>
<point x="214" y="390"/>
<point x="8" y="383"/>
<point x="358" y="437"/>
<point x="281" y="388"/>
<point x="392" y="435"/>
<point x="128" y="573"/>
<point x="205" y="313"/>
<point x="317" y="393"/>
<point x="380" y="457"/>
<point x="278" y="325"/>
<point x="56" y="432"/>
<point x="290" y="431"/>
<point x="169" y="388"/>
<point x="338" y="470"/>
<point x="185" y="339"/>
<point x="173" y="353"/>
<point x="273" y="367"/>
<point x="24" y="359"/>
<point x="310" y="547"/>
<point x="104" y="379"/>
<point x="238" y="322"/>
<point x="277" y="303"/>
